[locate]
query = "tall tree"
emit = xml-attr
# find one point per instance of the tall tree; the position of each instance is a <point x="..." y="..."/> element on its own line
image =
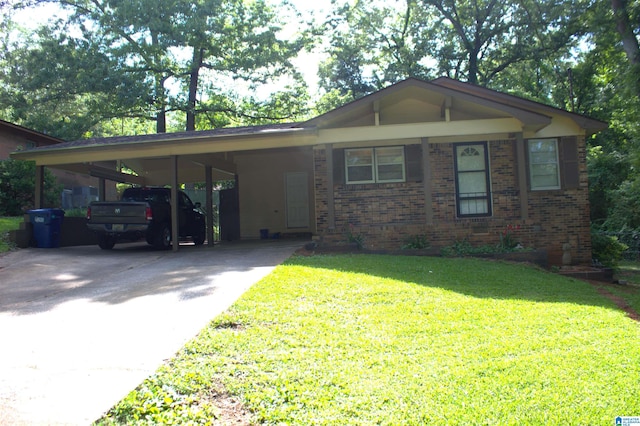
<point x="64" y="85"/>
<point x="147" y="43"/>
<point x="479" y="41"/>
<point x="372" y="44"/>
<point x="627" y="22"/>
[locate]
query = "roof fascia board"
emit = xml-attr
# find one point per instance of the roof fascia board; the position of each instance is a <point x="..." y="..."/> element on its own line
<point x="148" y="149"/>
<point x="418" y="130"/>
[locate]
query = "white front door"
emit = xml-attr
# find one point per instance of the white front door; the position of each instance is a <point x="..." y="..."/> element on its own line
<point x="297" y="199"/>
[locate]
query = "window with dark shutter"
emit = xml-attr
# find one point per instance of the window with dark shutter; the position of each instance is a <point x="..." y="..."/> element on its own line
<point x="413" y="156"/>
<point x="338" y="166"/>
<point x="570" y="165"/>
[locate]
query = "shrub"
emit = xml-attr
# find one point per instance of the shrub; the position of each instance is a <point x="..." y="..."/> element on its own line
<point x="17" y="187"/>
<point x="461" y="248"/>
<point x="606" y="249"/>
<point x="416" y="242"/>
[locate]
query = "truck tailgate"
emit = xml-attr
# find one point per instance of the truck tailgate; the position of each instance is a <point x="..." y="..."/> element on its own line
<point x="119" y="213"/>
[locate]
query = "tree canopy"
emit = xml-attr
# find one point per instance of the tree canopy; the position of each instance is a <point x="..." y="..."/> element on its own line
<point x="139" y="61"/>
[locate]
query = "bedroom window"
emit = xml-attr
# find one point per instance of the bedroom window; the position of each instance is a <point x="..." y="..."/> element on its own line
<point x="544" y="170"/>
<point x="473" y="195"/>
<point x="371" y="165"/>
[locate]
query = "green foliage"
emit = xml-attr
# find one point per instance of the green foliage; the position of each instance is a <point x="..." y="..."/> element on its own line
<point x="461" y="248"/>
<point x="112" y="68"/>
<point x="625" y="212"/>
<point x="355" y="237"/>
<point x="365" y="339"/>
<point x="154" y="403"/>
<point x="606" y="173"/>
<point x="606" y="249"/>
<point x="508" y="240"/>
<point x="8" y="224"/>
<point x="517" y="47"/>
<point x="417" y="242"/>
<point x="80" y="212"/>
<point x="17" y="187"/>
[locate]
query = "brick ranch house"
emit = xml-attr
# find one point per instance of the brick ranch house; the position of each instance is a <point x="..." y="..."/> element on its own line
<point x="442" y="158"/>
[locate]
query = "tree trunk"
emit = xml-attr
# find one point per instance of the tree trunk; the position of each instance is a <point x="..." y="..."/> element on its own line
<point x="630" y="43"/>
<point x="629" y="40"/>
<point x="198" y="54"/>
<point x="160" y="95"/>
<point x="161" y="120"/>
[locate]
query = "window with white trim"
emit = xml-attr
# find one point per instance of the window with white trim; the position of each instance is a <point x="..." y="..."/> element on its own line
<point x="371" y="165"/>
<point x="544" y="164"/>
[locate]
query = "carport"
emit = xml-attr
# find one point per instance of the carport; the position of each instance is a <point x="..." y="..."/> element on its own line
<point x="166" y="159"/>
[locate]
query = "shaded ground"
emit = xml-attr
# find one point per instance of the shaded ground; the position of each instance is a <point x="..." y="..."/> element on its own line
<point x="81" y="327"/>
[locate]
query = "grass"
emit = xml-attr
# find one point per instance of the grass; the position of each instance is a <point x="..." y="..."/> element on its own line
<point x="7" y="224"/>
<point x="404" y="340"/>
<point x="629" y="271"/>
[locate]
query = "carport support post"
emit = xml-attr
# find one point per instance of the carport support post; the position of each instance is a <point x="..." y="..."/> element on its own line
<point x="102" y="189"/>
<point x="209" y="201"/>
<point x="174" y="202"/>
<point x="39" y="195"/>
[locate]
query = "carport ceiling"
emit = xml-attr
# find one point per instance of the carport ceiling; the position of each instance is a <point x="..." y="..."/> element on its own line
<point x="156" y="171"/>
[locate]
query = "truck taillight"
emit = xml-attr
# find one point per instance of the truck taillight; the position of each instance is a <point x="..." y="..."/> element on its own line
<point x="88" y="213"/>
<point x="149" y="214"/>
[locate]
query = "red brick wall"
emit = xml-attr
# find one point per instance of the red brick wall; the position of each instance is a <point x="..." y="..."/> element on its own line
<point x="387" y="214"/>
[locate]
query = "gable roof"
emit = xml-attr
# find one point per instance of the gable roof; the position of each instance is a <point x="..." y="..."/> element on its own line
<point x="29" y="134"/>
<point x="437" y="93"/>
<point x="532" y="114"/>
<point x="591" y="125"/>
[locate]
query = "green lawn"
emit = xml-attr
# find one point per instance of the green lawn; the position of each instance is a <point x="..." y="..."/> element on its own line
<point x="629" y="271"/>
<point x="366" y="339"/>
<point x="7" y="224"/>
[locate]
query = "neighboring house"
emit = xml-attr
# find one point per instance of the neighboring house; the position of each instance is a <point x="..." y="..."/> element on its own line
<point x="444" y="159"/>
<point x="17" y="138"/>
<point x="78" y="188"/>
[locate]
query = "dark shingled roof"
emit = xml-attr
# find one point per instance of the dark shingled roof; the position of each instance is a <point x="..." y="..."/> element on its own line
<point x="159" y="137"/>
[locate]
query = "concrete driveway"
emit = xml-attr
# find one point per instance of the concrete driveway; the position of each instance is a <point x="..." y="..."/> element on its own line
<point x="81" y="327"/>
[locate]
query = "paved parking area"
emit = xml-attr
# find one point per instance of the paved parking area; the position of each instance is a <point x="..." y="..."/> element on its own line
<point x="81" y="327"/>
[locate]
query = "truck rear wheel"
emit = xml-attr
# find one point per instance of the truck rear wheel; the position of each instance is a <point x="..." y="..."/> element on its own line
<point x="105" y="242"/>
<point x="163" y="239"/>
<point x="200" y="236"/>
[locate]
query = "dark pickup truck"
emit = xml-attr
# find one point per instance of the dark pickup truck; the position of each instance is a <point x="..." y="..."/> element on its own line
<point x="145" y="213"/>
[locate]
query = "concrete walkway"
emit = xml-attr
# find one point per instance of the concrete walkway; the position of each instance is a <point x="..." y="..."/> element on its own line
<point x="81" y="327"/>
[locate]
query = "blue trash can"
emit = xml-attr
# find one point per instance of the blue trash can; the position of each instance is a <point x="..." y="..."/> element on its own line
<point x="47" y="224"/>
